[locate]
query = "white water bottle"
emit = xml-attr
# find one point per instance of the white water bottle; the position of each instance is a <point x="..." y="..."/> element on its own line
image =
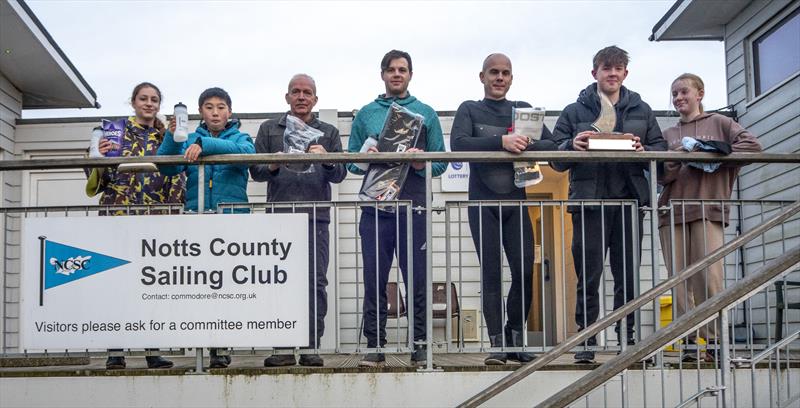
<point x="94" y="144"/>
<point x="371" y="141"/>
<point x="181" y="123"/>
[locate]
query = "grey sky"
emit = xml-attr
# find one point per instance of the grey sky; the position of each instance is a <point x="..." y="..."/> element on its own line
<point x="252" y="48"/>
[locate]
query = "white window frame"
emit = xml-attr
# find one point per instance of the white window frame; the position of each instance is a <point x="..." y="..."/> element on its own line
<point x="750" y="54"/>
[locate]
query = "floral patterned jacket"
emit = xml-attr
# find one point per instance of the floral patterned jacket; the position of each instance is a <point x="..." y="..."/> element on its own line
<point x="138" y="188"/>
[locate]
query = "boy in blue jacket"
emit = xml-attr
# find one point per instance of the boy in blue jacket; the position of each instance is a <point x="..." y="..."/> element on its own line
<point x="224" y="183"/>
<point x="217" y="134"/>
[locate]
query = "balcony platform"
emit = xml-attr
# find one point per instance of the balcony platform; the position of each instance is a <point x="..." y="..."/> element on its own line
<point x="334" y="363"/>
<point x="247" y="383"/>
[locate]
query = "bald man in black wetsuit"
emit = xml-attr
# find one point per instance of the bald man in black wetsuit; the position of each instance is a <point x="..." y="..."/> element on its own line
<point x="483" y="126"/>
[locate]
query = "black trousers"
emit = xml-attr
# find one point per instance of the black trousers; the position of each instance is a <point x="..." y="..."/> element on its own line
<point x="318" y="256"/>
<point x="381" y="238"/>
<point x="516" y="237"/>
<point x="595" y="233"/>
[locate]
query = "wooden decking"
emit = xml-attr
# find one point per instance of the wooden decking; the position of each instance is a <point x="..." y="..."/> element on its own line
<point x="335" y="363"/>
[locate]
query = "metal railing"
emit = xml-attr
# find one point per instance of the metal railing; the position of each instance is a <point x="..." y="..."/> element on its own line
<point x="679" y="328"/>
<point x="650" y="158"/>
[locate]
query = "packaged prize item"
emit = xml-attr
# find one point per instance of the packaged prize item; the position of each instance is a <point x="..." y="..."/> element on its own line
<point x="528" y="122"/>
<point x="401" y="131"/>
<point x="114" y="132"/>
<point x="297" y="137"/>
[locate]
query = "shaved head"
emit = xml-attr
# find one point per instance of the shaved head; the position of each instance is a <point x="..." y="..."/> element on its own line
<point x="303" y="76"/>
<point x="493" y="58"/>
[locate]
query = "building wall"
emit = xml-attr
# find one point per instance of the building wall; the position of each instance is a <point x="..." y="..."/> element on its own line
<point x="774" y="117"/>
<point x="10" y="111"/>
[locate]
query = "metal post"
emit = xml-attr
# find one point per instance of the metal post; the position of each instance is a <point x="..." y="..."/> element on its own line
<point x="201" y="188"/>
<point x="336" y="322"/>
<point x="201" y="204"/>
<point x="724" y="360"/>
<point x="411" y="295"/>
<point x="429" y="265"/>
<point x="654" y="266"/>
<point x="448" y="325"/>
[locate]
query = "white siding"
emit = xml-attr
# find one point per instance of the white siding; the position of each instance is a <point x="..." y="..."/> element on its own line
<point x="775" y="119"/>
<point x="10" y="111"/>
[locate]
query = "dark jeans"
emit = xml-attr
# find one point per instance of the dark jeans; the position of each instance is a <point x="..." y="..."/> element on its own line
<point x="592" y="237"/>
<point x="318" y="245"/>
<point x="517" y="238"/>
<point x="381" y="239"/>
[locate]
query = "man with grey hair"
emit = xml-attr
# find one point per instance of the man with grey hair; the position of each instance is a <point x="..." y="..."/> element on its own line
<point x="311" y="184"/>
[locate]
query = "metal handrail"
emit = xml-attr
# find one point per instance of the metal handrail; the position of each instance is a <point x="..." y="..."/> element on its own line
<point x="767" y="351"/>
<point x="711" y="391"/>
<point x="618" y="314"/>
<point x="717" y="304"/>
<point x="556" y="156"/>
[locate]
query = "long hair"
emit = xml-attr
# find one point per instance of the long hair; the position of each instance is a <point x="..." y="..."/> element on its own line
<point x="136" y="89"/>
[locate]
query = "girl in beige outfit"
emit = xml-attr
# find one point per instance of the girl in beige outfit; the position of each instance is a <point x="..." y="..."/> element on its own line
<point x="698" y="229"/>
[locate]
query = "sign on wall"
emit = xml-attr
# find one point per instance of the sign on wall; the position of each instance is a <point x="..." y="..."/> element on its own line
<point x="455" y="178"/>
<point x="234" y="280"/>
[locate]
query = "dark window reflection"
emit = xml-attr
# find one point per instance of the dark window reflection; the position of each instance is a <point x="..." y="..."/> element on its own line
<point x="777" y="53"/>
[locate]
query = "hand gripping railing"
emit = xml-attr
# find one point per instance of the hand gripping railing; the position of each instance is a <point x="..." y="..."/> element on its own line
<point x="660" y="338"/>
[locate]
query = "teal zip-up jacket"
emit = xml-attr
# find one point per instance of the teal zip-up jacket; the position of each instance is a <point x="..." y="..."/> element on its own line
<point x="224" y="183"/>
<point x="370" y="120"/>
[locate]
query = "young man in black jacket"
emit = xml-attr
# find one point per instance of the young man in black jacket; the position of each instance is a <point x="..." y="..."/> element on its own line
<point x="285" y="184"/>
<point x="613" y="181"/>
<point x="483" y="126"/>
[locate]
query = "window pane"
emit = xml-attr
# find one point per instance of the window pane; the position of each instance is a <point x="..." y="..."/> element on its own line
<point x="777" y="53"/>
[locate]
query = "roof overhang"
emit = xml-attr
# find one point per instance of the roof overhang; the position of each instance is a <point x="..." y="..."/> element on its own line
<point x="697" y="20"/>
<point x="32" y="61"/>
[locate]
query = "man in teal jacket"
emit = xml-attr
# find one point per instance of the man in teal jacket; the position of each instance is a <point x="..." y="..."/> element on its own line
<point x="224" y="183"/>
<point x="382" y="234"/>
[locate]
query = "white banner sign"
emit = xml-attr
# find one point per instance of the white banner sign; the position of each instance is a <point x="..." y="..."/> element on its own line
<point x="455" y="178"/>
<point x="238" y="280"/>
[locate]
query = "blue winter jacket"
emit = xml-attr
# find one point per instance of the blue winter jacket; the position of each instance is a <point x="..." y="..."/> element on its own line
<point x="224" y="183"/>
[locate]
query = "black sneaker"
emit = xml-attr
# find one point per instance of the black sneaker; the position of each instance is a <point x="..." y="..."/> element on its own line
<point x="280" y="360"/>
<point x="115" y="363"/>
<point x="521" y="357"/>
<point x="311" y="360"/>
<point x="373" y="360"/>
<point x="584" y="357"/>
<point x="158" y="362"/>
<point x="420" y="355"/>
<point x="218" y="361"/>
<point x="495" y="359"/>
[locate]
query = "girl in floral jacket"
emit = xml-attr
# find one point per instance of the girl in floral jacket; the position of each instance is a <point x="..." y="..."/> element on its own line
<point x="143" y="136"/>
